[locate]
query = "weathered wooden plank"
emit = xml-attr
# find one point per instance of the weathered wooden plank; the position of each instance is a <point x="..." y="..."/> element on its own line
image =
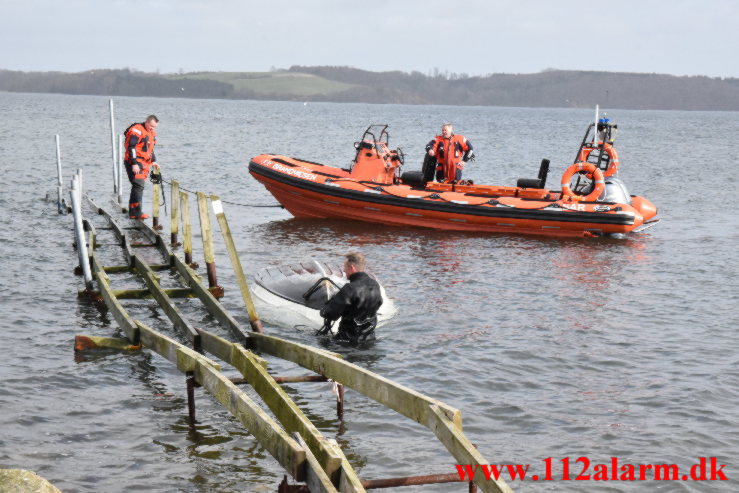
<point x="83" y="343"/>
<point x="451" y="436"/>
<point x="209" y="301"/>
<point x="222" y="348"/>
<point x="172" y="350"/>
<point x="139" y="294"/>
<point x="349" y="482"/>
<point x="174" y="220"/>
<point x="315" y="477"/>
<point x="119" y="313"/>
<point x="286" y="411"/>
<point x="404" y="400"/>
<point x="265" y="430"/>
<point x="187" y="231"/>
<point x="117" y="268"/>
<point x="154" y="237"/>
<point x="256" y="324"/>
<point x="169" y="308"/>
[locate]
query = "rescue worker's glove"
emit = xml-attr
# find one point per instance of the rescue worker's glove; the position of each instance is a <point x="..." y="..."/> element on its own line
<point x="326" y="327"/>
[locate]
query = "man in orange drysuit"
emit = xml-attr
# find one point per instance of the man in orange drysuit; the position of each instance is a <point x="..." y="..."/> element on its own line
<point x="451" y="152"/>
<point x="140" y="141"/>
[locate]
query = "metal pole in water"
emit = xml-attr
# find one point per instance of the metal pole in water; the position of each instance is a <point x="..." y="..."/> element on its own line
<point x="121" y="156"/>
<point x="59" y="189"/>
<point x="155" y="206"/>
<point x="112" y="148"/>
<point x="190" y="379"/>
<point x="79" y="186"/>
<point x="79" y="232"/>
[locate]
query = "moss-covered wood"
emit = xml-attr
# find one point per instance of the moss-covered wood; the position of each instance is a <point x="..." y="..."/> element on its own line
<point x="174" y="314"/>
<point x="266" y="431"/>
<point x="404" y="400"/>
<point x="83" y="343"/>
<point x="120" y="315"/>
<point x="236" y="264"/>
<point x="462" y="449"/>
<point x="209" y="301"/>
<point x="315" y="477"/>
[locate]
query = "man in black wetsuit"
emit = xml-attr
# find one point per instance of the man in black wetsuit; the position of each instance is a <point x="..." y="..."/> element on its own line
<point x="356" y="303"/>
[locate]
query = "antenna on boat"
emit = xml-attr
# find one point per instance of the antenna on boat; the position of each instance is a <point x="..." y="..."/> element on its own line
<point x="595" y="128"/>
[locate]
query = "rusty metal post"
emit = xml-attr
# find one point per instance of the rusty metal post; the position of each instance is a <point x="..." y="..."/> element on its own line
<point x="155" y="206"/>
<point x="174" y="222"/>
<point x="206" y="233"/>
<point x="190" y="379"/>
<point x="340" y="400"/>
<point x="372" y="484"/>
<point x="187" y="245"/>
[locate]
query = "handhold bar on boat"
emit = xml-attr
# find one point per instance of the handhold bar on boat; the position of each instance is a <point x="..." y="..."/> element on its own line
<point x="316" y="285"/>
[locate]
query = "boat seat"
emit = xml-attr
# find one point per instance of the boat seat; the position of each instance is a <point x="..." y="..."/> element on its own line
<point x="539" y="182"/>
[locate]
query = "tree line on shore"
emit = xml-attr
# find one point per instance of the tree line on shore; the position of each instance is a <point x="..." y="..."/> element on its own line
<point x="549" y="88"/>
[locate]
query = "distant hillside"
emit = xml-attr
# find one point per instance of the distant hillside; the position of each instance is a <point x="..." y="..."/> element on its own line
<point x="551" y="88"/>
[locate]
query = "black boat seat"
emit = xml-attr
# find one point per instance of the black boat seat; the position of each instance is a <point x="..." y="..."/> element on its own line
<point x="536" y="182"/>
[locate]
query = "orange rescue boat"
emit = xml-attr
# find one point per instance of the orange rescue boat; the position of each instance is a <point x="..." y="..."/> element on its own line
<point x="591" y="202"/>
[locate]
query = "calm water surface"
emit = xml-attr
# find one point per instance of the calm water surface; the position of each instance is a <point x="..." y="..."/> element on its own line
<point x="552" y="348"/>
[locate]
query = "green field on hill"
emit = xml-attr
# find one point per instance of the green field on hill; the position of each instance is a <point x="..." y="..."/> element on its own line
<point x="272" y="82"/>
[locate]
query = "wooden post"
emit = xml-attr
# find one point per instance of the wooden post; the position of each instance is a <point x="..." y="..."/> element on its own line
<point x="256" y="324"/>
<point x="174" y="222"/>
<point x="155" y="205"/>
<point x="187" y="246"/>
<point x="207" y="234"/>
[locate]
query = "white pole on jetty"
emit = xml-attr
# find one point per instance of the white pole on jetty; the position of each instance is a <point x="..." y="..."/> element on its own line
<point x="121" y="155"/>
<point x="75" y="194"/>
<point x="59" y="189"/>
<point x="79" y="185"/>
<point x="116" y="185"/>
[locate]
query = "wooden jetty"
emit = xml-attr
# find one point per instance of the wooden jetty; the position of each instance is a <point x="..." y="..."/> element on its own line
<point x="290" y="437"/>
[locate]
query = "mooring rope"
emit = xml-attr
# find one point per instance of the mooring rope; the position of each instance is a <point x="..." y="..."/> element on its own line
<point x="224" y="201"/>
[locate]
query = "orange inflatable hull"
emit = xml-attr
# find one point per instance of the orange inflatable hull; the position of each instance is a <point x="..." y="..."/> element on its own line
<point x="308" y="189"/>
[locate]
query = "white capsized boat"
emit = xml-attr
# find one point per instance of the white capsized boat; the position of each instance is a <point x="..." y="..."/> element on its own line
<point x="293" y="295"/>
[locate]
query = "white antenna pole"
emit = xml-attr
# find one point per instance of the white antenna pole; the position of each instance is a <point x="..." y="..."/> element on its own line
<point x="59" y="200"/>
<point x="121" y="155"/>
<point x="595" y="129"/>
<point x="113" y="145"/>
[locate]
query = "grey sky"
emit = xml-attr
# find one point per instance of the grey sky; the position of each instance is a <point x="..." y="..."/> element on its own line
<point x="680" y="37"/>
